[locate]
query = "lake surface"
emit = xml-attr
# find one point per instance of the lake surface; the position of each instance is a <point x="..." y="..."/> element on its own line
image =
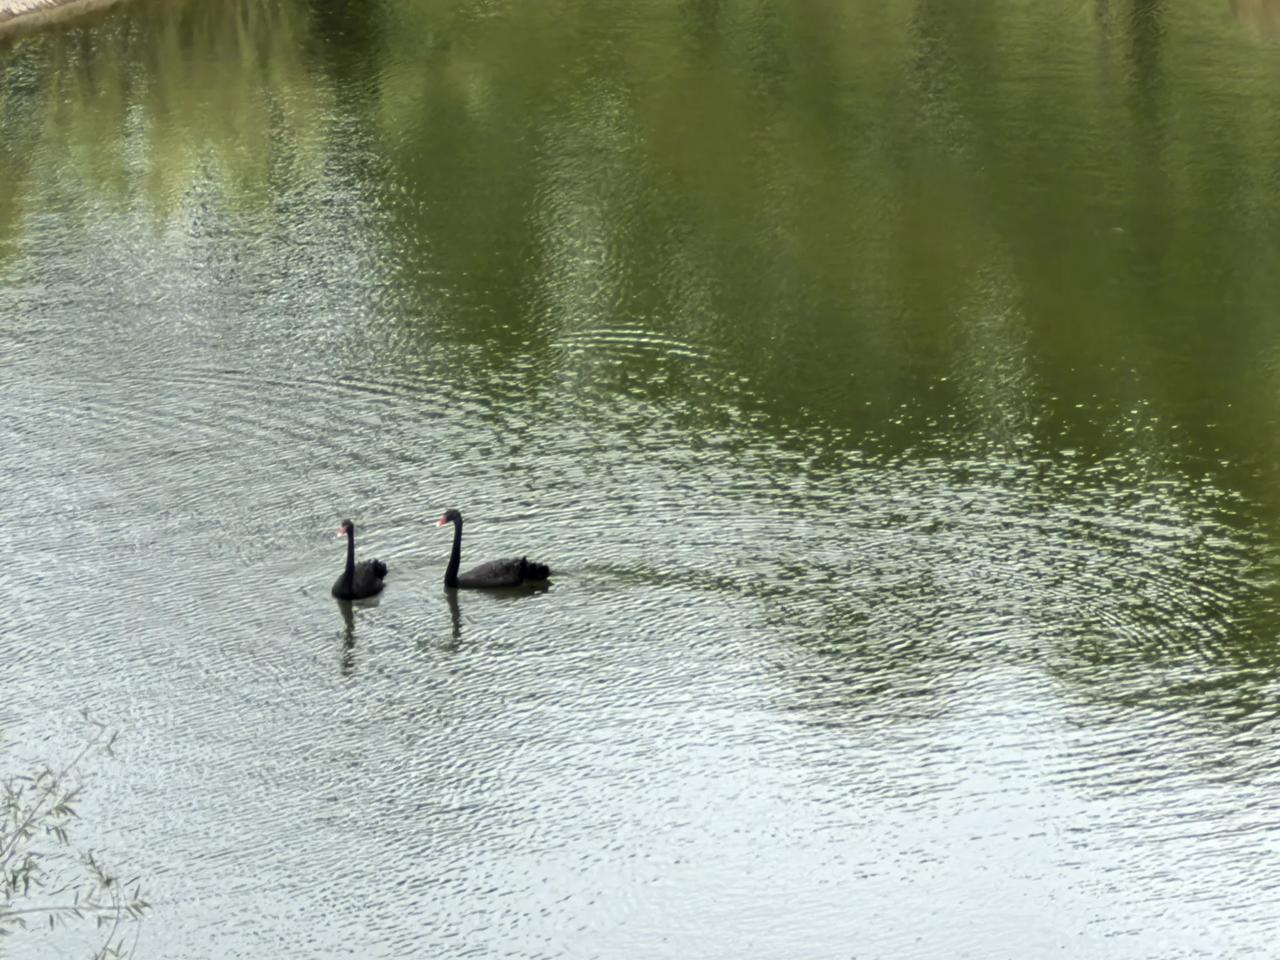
<point x="893" y="387"/>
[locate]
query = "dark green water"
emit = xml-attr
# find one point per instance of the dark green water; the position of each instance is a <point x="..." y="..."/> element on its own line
<point x="893" y="388"/>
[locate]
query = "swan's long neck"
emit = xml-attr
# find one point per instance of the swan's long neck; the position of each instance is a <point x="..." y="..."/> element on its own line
<point x="350" y="573"/>
<point x="455" y="558"/>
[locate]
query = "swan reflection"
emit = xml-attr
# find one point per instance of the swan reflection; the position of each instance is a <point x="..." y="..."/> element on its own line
<point x="455" y="618"/>
<point x="347" y="660"/>
<point x="501" y="594"/>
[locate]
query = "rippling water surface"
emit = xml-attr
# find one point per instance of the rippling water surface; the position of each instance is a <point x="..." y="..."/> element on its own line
<point x="891" y="387"/>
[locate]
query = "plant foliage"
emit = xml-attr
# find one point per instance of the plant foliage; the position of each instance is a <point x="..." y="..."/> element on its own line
<point x="37" y="812"/>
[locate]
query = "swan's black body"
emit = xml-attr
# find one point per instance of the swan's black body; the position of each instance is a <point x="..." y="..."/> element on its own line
<point x="358" y="580"/>
<point x="495" y="573"/>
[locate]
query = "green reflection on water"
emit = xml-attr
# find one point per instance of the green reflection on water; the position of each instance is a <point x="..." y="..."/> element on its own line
<point x="977" y="226"/>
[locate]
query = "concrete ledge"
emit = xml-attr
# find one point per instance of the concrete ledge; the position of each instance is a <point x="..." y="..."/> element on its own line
<point x="18" y="14"/>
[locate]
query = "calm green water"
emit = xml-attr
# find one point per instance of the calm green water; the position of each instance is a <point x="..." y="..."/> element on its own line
<point x="893" y="387"/>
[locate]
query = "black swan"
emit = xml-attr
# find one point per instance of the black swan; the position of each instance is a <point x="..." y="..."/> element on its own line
<point x="358" y="580"/>
<point x="495" y="573"/>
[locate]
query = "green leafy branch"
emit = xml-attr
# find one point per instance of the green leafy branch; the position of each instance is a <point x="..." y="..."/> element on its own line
<point x="36" y="811"/>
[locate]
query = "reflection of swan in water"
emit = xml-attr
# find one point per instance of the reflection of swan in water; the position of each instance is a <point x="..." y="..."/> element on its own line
<point x="455" y="615"/>
<point x="348" y="659"/>
<point x="510" y="594"/>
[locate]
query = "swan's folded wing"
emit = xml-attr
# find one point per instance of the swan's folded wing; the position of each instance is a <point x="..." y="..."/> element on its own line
<point x="495" y="573"/>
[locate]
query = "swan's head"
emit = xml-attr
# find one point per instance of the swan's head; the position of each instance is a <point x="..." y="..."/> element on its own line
<point x="346" y="528"/>
<point x="450" y="516"/>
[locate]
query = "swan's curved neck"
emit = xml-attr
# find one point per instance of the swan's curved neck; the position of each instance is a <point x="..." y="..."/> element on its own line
<point x="350" y="572"/>
<point x="455" y="558"/>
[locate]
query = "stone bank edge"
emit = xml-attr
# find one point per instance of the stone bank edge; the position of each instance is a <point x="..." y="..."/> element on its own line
<point x="15" y="14"/>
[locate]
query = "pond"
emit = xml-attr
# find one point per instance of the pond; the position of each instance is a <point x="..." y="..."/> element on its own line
<point x="892" y="388"/>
